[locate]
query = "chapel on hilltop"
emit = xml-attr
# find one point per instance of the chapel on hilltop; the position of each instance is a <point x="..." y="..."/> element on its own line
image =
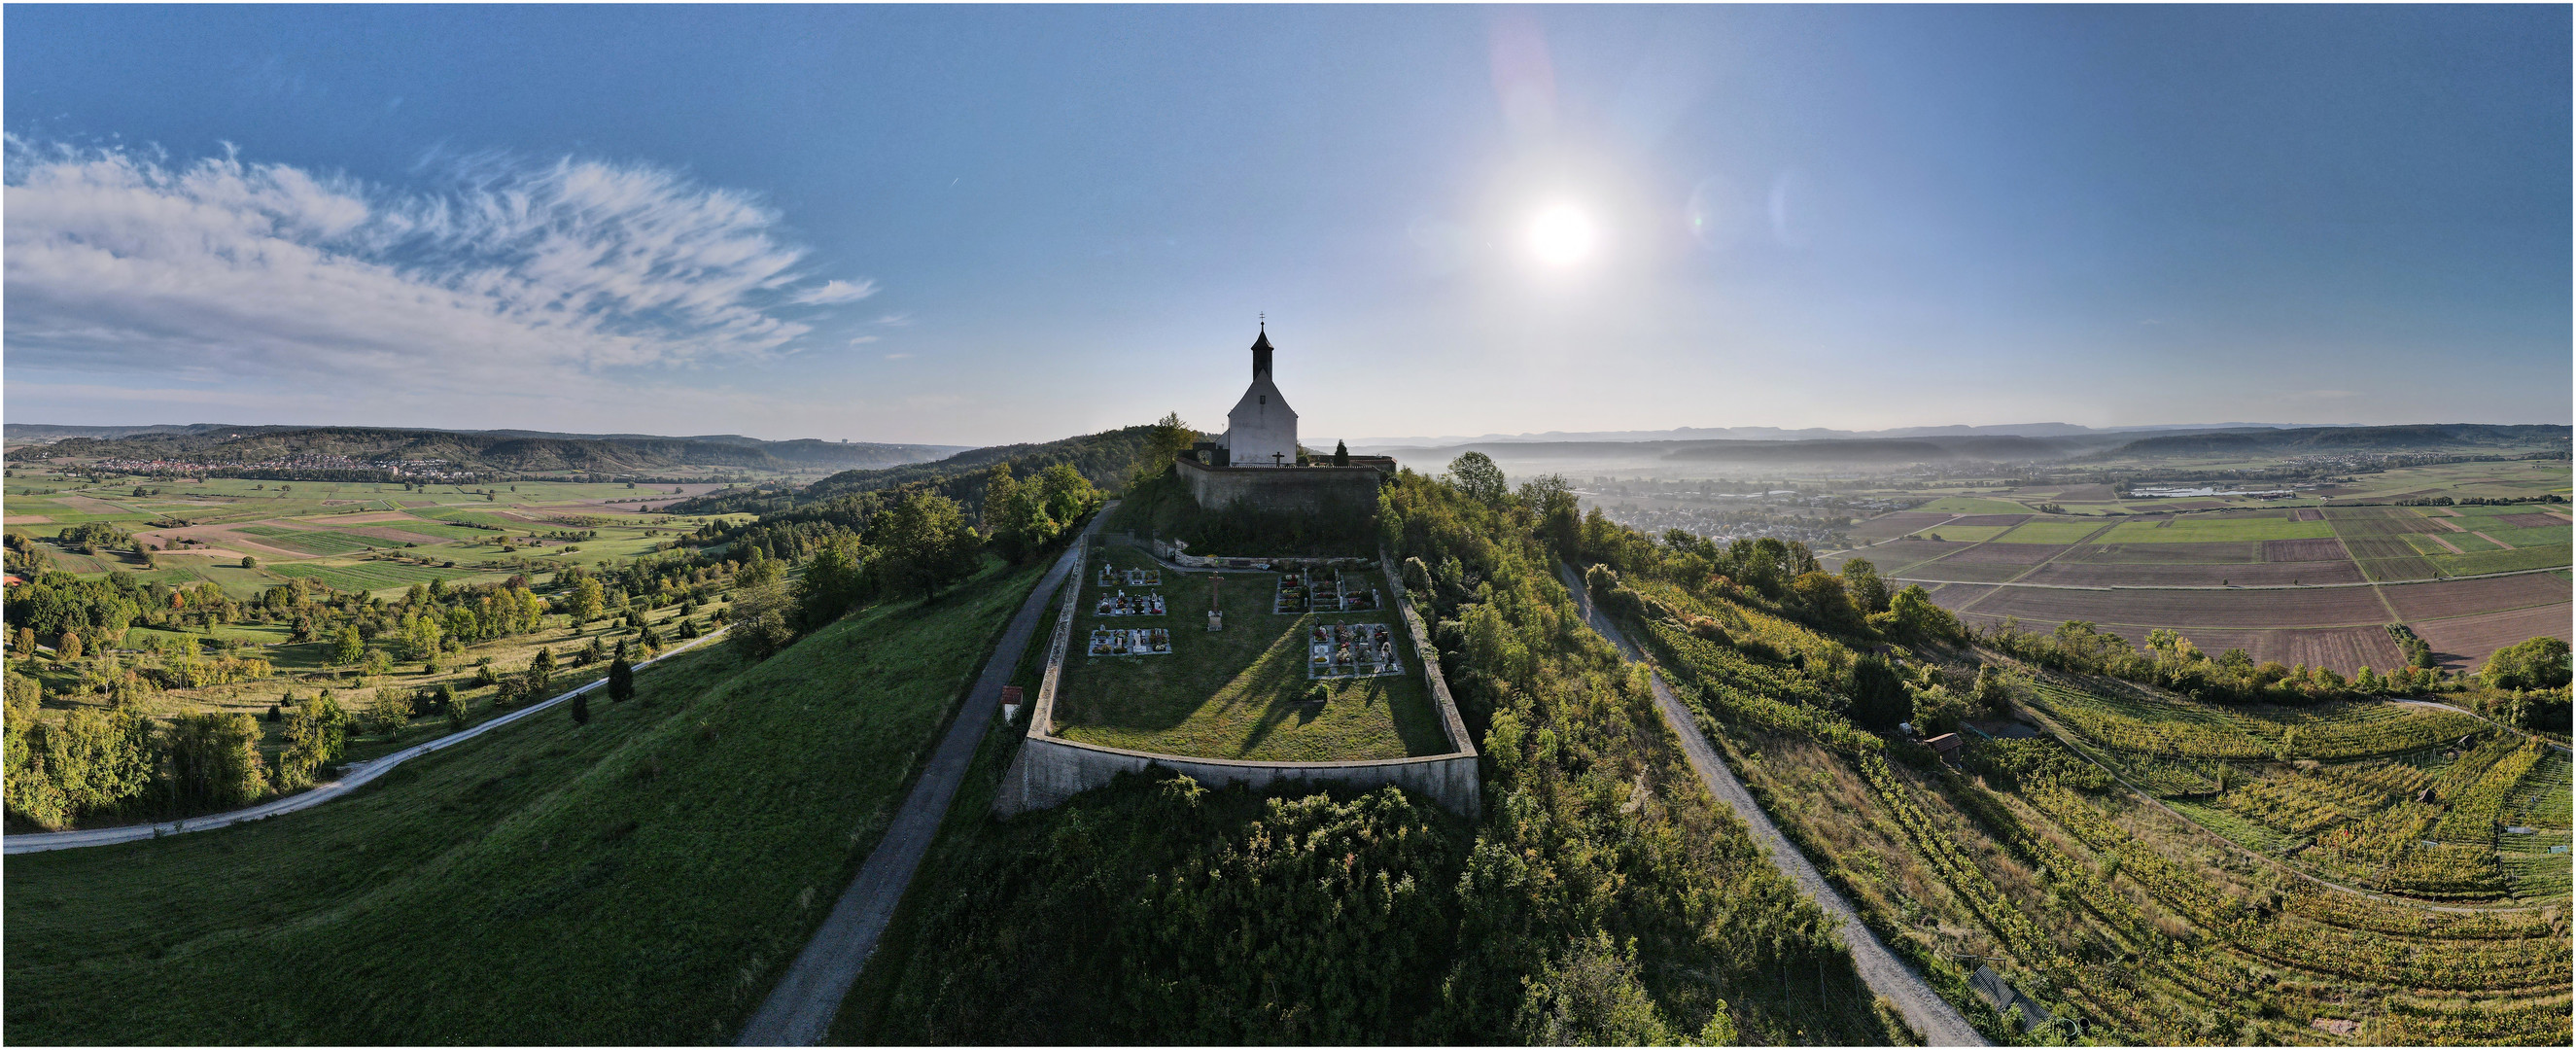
<point x="1262" y="429"/>
<point x="1255" y="461"/>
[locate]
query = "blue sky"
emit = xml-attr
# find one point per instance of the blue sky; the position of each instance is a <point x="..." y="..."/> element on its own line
<point x="975" y="225"/>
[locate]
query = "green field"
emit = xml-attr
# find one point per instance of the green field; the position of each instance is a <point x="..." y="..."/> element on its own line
<point x="368" y="576"/>
<point x="2046" y="531"/>
<point x="1238" y="693"/>
<point x="2426" y="544"/>
<point x="2503" y="561"/>
<point x="1963" y="533"/>
<point x="2227" y="529"/>
<point x="640" y="880"/>
<point x="2545" y="536"/>
<point x="314" y="542"/>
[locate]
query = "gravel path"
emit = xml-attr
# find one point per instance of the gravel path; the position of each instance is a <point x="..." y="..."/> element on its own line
<point x="1933" y="1018"/>
<point x="352" y="777"/>
<point x="799" y="1010"/>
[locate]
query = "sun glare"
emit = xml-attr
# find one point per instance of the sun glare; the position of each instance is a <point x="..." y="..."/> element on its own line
<point x="1562" y="235"/>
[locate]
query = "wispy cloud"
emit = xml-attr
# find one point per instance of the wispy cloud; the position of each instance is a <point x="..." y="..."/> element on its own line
<point x="836" y="292"/>
<point x="223" y="272"/>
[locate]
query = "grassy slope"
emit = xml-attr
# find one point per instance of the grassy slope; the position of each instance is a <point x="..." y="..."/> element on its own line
<point x="637" y="880"/>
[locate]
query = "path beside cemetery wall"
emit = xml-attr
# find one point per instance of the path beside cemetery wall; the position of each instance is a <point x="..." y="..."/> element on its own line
<point x="1050" y="769"/>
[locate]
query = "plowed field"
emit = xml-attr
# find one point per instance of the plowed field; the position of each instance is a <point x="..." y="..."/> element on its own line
<point x="2432" y="601"/>
<point x="2304" y="550"/>
<point x="2377" y="538"/>
<point x="2346" y="649"/>
<point x="1890" y="526"/>
<point x="2257" y="574"/>
<point x="1966" y="572"/>
<point x="2251" y="609"/>
<point x="2530" y="521"/>
<point x="2466" y="641"/>
<point x="2009" y="519"/>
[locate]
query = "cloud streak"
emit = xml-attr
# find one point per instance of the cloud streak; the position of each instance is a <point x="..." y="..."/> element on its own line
<point x="224" y="272"/>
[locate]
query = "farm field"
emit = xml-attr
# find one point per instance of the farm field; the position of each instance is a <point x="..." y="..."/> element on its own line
<point x="322" y="531"/>
<point x="1953" y="533"/>
<point x="2229" y="574"/>
<point x="2229" y="528"/>
<point x="2053" y="532"/>
<point x="1238" y="693"/>
<point x="2306" y="607"/>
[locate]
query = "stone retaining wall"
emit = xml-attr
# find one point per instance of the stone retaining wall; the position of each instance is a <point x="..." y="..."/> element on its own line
<point x="1313" y="492"/>
<point x="1050" y="769"/>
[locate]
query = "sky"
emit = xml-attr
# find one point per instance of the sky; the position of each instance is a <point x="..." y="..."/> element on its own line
<point x="994" y="224"/>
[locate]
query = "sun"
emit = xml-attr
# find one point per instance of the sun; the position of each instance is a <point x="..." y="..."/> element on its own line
<point x="1562" y="235"/>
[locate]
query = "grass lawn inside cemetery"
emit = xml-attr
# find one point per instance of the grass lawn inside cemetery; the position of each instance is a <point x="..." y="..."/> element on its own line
<point x="1241" y="692"/>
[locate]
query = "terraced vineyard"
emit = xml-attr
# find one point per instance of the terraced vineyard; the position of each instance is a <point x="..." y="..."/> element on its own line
<point x="2116" y="910"/>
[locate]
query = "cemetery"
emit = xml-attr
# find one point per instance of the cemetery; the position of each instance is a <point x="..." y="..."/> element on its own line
<point x="1303" y="666"/>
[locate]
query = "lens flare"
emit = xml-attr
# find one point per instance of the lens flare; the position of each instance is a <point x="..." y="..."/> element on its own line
<point x="1563" y="235"/>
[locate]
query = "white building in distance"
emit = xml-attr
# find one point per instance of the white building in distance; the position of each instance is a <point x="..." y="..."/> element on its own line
<point x="1262" y="429"/>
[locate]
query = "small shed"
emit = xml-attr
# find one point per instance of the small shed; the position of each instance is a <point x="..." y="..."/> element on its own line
<point x="1990" y="986"/>
<point x="1944" y="744"/>
<point x="1010" y="702"/>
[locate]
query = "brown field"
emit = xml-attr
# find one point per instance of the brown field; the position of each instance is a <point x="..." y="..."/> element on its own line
<point x="2308" y="514"/>
<point x="2257" y="574"/>
<point x="1890" y="526"/>
<point x="1889" y="557"/>
<point x="2466" y="641"/>
<point x="2346" y="649"/>
<point x="2169" y="553"/>
<point x="2532" y="521"/>
<point x="2328" y="549"/>
<point x="2006" y="554"/>
<point x="1957" y="596"/>
<point x="227" y="539"/>
<point x="89" y="505"/>
<point x="2001" y="519"/>
<point x="2249" y="609"/>
<point x="2433" y="601"/>
<point x="1955" y="570"/>
<point x="25" y="519"/>
<point x="2086" y="494"/>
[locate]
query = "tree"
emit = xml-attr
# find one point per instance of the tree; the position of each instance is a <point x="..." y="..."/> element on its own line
<point x="581" y="708"/>
<point x="24" y="642"/>
<point x="1475" y="475"/>
<point x="1165" y="442"/>
<point x="1016" y="512"/>
<point x="390" y="711"/>
<point x="213" y="762"/>
<point x="349" y="647"/>
<point x="249" y="562"/>
<point x="1878" y="693"/>
<point x="451" y="705"/>
<point x="923" y="542"/>
<point x="1868" y="591"/>
<point x="1341" y="454"/>
<point x="589" y="600"/>
<point x="621" y="681"/>
<point x="834" y="581"/>
<point x="1915" y="614"/>
<point x="1937" y="710"/>
<point x="2540" y="663"/>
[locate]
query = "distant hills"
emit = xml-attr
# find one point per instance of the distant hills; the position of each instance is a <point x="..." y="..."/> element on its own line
<point x="1107" y="458"/>
<point x="216" y="445"/>
<point x="2106" y="445"/>
<point x="1804" y="434"/>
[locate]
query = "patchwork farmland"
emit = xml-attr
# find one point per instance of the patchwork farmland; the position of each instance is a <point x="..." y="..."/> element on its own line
<point x="2313" y="585"/>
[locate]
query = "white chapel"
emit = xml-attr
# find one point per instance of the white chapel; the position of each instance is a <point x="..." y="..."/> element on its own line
<point x="1262" y="429"/>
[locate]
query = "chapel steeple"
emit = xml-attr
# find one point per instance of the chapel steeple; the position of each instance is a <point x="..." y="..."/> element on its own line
<point x="1261" y="351"/>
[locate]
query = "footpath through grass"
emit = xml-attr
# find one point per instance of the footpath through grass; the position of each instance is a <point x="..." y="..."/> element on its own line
<point x="639" y="880"/>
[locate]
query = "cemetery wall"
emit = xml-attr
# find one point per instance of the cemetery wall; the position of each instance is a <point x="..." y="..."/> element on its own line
<point x="1297" y="491"/>
<point x="1049" y="769"/>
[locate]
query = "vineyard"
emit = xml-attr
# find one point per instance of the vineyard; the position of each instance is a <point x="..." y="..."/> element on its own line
<point x="2111" y="909"/>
